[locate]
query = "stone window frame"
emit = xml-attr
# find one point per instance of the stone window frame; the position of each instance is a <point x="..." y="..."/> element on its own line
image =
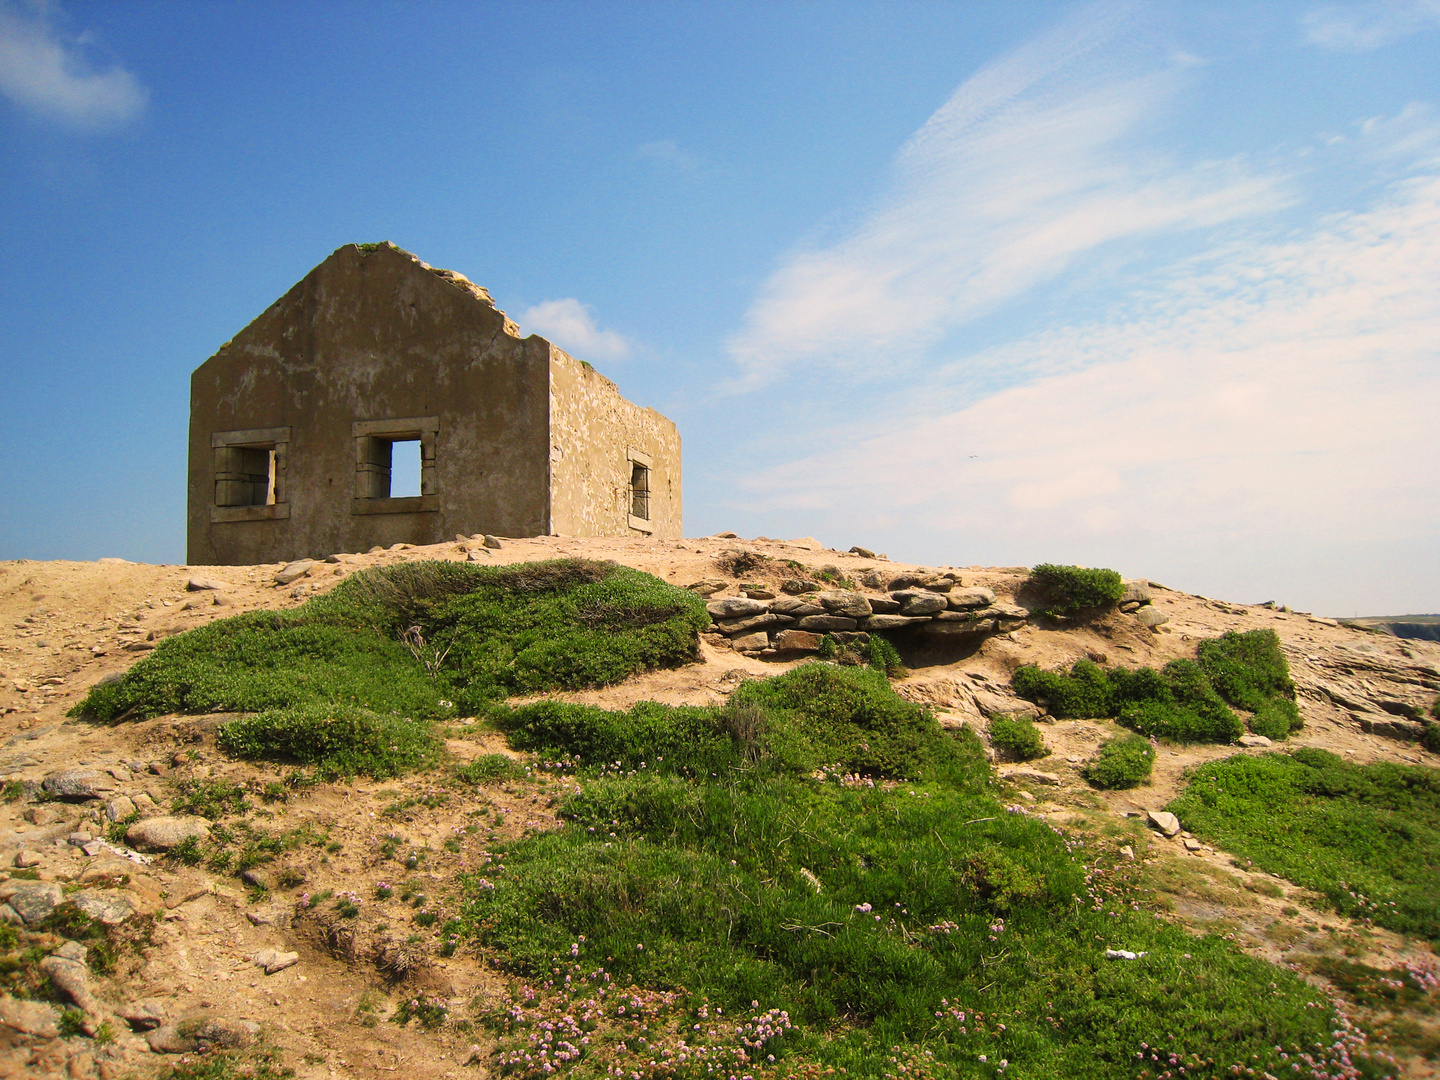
<point x="638" y="458"/>
<point x="366" y="434"/>
<point x="277" y="441"/>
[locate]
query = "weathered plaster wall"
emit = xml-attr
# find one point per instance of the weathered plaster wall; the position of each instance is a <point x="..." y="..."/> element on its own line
<point x="591" y="429"/>
<point x="375" y="336"/>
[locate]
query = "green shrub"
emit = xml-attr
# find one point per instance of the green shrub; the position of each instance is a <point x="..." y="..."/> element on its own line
<point x="1430" y="738"/>
<point x="1121" y="763"/>
<point x="1276" y="718"/>
<point x="1083" y="694"/>
<point x="416" y="638"/>
<point x="1365" y="836"/>
<point x="337" y="740"/>
<point x="1017" y="738"/>
<point x="1067" y="590"/>
<point x="1186" y="710"/>
<point x="815" y="715"/>
<point x="1248" y="670"/>
<point x="883" y="657"/>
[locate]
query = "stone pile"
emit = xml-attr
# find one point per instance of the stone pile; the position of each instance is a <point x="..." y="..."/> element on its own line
<point x="934" y="605"/>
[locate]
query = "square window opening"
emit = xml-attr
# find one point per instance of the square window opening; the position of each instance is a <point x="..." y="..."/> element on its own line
<point x="639" y="491"/>
<point x="245" y="476"/>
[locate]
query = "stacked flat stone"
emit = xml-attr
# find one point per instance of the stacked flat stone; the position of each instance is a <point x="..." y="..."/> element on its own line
<point x="934" y="605"/>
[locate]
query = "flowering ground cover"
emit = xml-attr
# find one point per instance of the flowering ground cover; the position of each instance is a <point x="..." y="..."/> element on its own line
<point x="909" y="925"/>
<point x="1367" y="837"/>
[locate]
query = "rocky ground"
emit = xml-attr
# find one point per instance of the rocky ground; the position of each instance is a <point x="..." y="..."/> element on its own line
<point x="275" y="955"/>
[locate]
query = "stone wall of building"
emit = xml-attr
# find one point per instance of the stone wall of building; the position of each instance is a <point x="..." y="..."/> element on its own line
<point x="597" y="439"/>
<point x="292" y="423"/>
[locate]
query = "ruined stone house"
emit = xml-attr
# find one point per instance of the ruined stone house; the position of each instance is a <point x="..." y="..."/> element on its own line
<point x="298" y="425"/>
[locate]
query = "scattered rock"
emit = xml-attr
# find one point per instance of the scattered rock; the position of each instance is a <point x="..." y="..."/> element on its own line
<point x="33" y="1018"/>
<point x="826" y="622"/>
<point x="492" y="542"/>
<point x="273" y="960"/>
<point x="793" y="605"/>
<point x="145" y="1015"/>
<point x="938" y="583"/>
<point x="477" y="555"/>
<point x="975" y="597"/>
<point x="31" y="900"/>
<point x="706" y="587"/>
<point x="1255" y="740"/>
<point x="1123" y="954"/>
<point x="1151" y="616"/>
<point x="204" y="584"/>
<point x="1127" y="853"/>
<point x="872" y="579"/>
<point x="736" y="607"/>
<point x="214" y="1033"/>
<point x="797" y="641"/>
<point x="164" y="833"/>
<point x="119" y="808"/>
<point x="916" y="602"/>
<point x="27" y="858"/>
<point x="796" y="586"/>
<point x="892" y="622"/>
<point x="294" y="571"/>
<point x="1136" y="592"/>
<point x="1163" y="820"/>
<point x="1034" y="776"/>
<point x="1191" y="844"/>
<point x="104" y="906"/>
<point x="77" y="785"/>
<point x="750" y="642"/>
<point x="72" y="978"/>
<point x="864" y="553"/>
<point x="759" y="594"/>
<point x="850" y="605"/>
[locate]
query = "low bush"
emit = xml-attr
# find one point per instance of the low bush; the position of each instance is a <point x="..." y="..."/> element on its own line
<point x="1187" y="700"/>
<point x="337" y="740"/>
<point x="365" y="667"/>
<point x="1276" y="718"/>
<point x="1367" y="837"/>
<point x="873" y="924"/>
<point x="1430" y="737"/>
<point x="1121" y="763"/>
<point x="1247" y="669"/>
<point x="816" y="715"/>
<point x="1083" y="694"/>
<point x="1068" y="590"/>
<point x="1017" y="739"/>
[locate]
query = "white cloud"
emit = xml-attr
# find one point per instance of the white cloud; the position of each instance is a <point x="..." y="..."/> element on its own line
<point x="51" y="76"/>
<point x="669" y="154"/>
<point x="1265" y="406"/>
<point x="570" y="324"/>
<point x="1363" y="27"/>
<point x="1025" y="168"/>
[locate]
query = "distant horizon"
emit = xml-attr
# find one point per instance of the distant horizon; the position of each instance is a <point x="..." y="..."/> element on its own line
<point x="1151" y="286"/>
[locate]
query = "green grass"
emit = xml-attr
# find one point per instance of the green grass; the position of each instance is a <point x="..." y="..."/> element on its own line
<point x="1018" y="739"/>
<point x="1121" y="763"/>
<point x="1069" y="590"/>
<point x="1186" y="700"/>
<point x="338" y="740"/>
<point x="873" y="914"/>
<point x="815" y="716"/>
<point x="1367" y="837"/>
<point x="351" y="681"/>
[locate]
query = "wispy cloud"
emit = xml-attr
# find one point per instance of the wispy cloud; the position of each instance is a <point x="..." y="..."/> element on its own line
<point x="669" y="154"/>
<point x="51" y="75"/>
<point x="571" y="325"/>
<point x="1263" y="404"/>
<point x="1030" y="164"/>
<point x="1362" y="27"/>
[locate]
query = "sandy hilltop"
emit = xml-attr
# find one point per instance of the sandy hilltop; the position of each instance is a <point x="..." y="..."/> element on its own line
<point x="239" y="957"/>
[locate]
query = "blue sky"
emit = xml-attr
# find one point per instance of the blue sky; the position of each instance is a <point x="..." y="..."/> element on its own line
<point x="1153" y="285"/>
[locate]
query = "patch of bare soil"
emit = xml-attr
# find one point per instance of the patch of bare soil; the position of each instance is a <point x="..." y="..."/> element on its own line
<point x="363" y="876"/>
